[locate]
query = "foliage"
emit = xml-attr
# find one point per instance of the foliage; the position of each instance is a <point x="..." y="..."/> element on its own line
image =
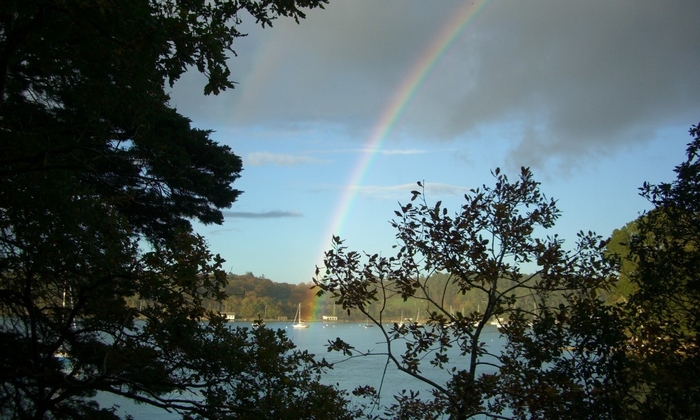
<point x="253" y="297"/>
<point x="561" y="353"/>
<point x="664" y="313"/>
<point x="100" y="179"/>
<point x="618" y="247"/>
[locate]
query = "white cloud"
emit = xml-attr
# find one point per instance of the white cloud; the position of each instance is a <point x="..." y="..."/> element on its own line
<point x="400" y="151"/>
<point x="382" y="151"/>
<point x="266" y="158"/>
<point x="262" y="215"/>
<point x="402" y="192"/>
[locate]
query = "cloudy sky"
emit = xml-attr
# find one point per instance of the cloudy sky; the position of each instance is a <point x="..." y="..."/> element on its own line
<point x="338" y="117"/>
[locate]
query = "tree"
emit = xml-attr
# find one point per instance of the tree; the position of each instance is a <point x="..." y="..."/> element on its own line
<point x="664" y="313"/>
<point x="100" y="179"/>
<point x="618" y="247"/>
<point x="561" y="358"/>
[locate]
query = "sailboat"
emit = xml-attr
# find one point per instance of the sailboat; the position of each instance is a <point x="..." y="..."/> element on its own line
<point x="61" y="353"/>
<point x="368" y="324"/>
<point x="401" y="322"/>
<point x="498" y="321"/>
<point x="297" y="319"/>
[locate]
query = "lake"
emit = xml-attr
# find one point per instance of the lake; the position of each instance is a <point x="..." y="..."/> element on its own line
<point x="348" y="374"/>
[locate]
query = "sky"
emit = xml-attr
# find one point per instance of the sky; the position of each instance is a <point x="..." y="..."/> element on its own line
<point x="338" y="117"/>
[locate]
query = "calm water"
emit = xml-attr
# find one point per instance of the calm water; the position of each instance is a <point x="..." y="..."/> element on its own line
<point x="348" y="374"/>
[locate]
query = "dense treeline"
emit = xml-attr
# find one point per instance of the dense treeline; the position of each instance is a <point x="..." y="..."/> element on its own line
<point x="251" y="297"/>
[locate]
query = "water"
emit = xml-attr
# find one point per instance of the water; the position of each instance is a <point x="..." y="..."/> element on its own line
<point x="347" y="374"/>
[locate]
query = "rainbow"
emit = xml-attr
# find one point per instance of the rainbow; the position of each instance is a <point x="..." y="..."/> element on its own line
<point x="408" y="87"/>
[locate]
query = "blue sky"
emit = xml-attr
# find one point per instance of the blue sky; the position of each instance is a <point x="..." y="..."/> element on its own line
<point x="596" y="97"/>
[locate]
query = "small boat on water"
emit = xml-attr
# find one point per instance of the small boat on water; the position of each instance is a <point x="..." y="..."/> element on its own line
<point x="498" y="321"/>
<point x="402" y="321"/>
<point x="417" y="322"/>
<point x="297" y="319"/>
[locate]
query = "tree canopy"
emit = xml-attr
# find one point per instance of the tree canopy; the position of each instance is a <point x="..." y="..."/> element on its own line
<point x="618" y="247"/>
<point x="484" y="248"/>
<point x="664" y="312"/>
<point x="100" y="180"/>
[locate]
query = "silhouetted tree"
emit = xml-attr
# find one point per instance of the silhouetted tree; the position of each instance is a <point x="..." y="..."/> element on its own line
<point x="664" y="312"/>
<point x="100" y="178"/>
<point x="555" y="363"/>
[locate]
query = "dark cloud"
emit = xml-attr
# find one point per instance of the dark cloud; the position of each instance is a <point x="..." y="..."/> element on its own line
<point x="581" y="77"/>
<point x="261" y="215"/>
<point x="570" y="79"/>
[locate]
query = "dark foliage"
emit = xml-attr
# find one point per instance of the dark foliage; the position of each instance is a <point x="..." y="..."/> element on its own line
<point x="664" y="313"/>
<point x="561" y="353"/>
<point x="100" y="179"/>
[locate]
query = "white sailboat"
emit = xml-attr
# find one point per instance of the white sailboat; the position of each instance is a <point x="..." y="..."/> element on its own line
<point x="498" y="321"/>
<point x="402" y="321"/>
<point x="62" y="353"/>
<point x="297" y="319"/>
